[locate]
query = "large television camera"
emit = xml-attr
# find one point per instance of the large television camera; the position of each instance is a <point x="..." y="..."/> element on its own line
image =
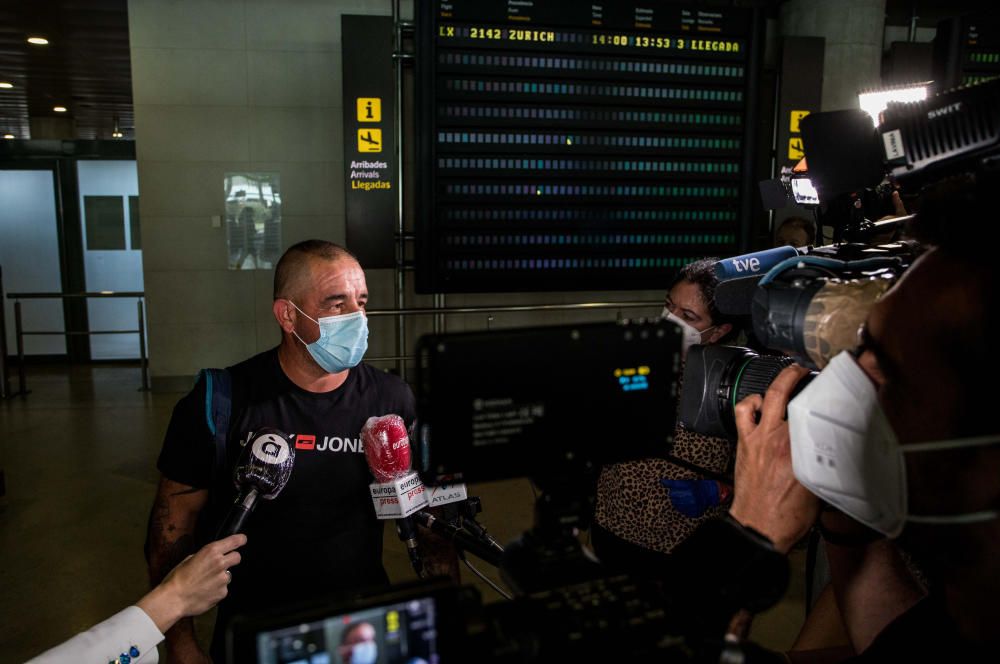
<point x="551" y="403"/>
<point x="807" y="305"/>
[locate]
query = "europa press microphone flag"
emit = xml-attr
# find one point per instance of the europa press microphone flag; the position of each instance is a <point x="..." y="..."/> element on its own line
<point x="397" y="491"/>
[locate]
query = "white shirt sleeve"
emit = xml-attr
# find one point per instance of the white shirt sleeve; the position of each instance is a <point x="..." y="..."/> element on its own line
<point x="105" y="641"/>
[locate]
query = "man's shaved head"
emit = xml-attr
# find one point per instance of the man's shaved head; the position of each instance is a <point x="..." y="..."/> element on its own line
<point x="294" y="268"/>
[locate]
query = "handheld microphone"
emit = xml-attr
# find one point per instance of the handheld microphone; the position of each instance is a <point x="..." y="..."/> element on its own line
<point x="463" y="509"/>
<point x="262" y="471"/>
<point x="387" y="447"/>
<point x="397" y="492"/>
<point x="490" y="551"/>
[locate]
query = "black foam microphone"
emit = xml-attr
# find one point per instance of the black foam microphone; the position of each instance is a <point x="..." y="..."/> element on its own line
<point x="263" y="469"/>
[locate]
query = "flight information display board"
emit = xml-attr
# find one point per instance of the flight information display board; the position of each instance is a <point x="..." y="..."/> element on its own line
<point x="967" y="50"/>
<point x="566" y="145"/>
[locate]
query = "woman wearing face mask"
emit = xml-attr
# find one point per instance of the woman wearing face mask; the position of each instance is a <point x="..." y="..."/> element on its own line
<point x="645" y="508"/>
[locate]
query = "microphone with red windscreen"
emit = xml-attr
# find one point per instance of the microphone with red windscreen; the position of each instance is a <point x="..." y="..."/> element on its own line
<point x="387" y="450"/>
<point x="387" y="447"/>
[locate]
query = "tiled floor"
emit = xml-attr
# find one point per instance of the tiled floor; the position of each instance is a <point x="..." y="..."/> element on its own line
<point x="79" y="454"/>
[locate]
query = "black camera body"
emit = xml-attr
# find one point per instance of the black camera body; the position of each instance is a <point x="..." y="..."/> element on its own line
<point x="809" y="307"/>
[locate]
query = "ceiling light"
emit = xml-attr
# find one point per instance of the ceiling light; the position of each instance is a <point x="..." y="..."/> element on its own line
<point x="59" y="109"/>
<point x="9" y="136"/>
<point x="116" y="132"/>
<point x="5" y="84"/>
<point x="38" y="41"/>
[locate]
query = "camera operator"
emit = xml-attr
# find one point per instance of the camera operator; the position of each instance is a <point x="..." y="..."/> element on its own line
<point x="925" y="346"/>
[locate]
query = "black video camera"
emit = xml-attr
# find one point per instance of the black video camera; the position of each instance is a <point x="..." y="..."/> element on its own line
<point x="808" y="306"/>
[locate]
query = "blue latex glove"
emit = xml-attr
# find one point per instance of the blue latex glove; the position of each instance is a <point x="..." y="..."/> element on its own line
<point x="693" y="497"/>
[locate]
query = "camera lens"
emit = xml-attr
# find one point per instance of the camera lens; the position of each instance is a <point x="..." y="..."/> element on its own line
<point x="812" y="316"/>
<point x="716" y="378"/>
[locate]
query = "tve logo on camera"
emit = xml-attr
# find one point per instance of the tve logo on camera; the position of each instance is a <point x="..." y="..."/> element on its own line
<point x="747" y="264"/>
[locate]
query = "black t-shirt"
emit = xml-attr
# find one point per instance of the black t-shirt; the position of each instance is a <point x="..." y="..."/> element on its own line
<point x="320" y="534"/>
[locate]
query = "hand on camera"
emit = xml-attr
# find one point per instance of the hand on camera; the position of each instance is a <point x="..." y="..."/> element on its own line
<point x="898" y="208"/>
<point x="767" y="497"/>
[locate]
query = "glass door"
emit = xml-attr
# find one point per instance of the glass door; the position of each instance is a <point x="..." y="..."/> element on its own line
<point x="29" y="255"/>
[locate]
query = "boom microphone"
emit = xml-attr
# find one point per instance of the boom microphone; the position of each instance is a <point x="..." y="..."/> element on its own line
<point x="387" y="450"/>
<point x="263" y="469"/>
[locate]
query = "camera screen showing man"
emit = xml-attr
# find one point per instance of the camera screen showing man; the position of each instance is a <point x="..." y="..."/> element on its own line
<point x="358" y="644"/>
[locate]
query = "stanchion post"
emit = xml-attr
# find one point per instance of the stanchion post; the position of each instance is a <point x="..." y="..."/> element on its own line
<point x="4" y="368"/>
<point x="143" y="360"/>
<point x="22" y="386"/>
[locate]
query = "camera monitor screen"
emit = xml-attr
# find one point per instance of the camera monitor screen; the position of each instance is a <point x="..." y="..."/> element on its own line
<point x="515" y="403"/>
<point x="397" y="628"/>
<point x="804" y="191"/>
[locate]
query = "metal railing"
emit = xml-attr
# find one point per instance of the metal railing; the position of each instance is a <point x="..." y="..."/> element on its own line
<point x="444" y="311"/>
<point x="20" y="332"/>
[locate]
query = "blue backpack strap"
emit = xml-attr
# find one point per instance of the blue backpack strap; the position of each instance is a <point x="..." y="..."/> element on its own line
<point x="218" y="406"/>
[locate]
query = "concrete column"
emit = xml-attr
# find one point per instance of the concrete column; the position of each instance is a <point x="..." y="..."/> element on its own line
<point x="854" y="33"/>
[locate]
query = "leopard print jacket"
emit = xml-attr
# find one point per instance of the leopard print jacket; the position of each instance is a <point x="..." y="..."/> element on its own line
<point x="633" y="505"/>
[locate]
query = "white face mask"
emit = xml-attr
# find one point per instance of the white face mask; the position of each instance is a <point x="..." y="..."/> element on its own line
<point x="692" y="336"/>
<point x="845" y="451"/>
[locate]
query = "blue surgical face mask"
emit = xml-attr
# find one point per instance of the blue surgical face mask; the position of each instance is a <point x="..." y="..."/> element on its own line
<point x="365" y="652"/>
<point x="342" y="341"/>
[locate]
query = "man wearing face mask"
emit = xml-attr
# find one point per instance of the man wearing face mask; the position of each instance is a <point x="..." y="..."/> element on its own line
<point x="898" y="440"/>
<point x="321" y="535"/>
<point x="358" y="645"/>
<point x="645" y="508"/>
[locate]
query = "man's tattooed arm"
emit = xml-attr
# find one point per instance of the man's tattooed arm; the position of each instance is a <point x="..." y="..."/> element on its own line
<point x="170" y="539"/>
<point x="170" y="535"/>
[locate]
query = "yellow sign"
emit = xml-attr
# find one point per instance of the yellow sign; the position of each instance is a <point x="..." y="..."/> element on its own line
<point x="369" y="140"/>
<point x="369" y="109"/>
<point x="795" y="150"/>
<point x="795" y="118"/>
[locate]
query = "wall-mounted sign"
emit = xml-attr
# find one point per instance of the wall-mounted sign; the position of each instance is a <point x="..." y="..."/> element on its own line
<point x="794" y="118"/>
<point x="369" y="139"/>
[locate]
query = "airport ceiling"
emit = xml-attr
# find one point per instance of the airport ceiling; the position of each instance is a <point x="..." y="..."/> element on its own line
<point x="85" y="66"/>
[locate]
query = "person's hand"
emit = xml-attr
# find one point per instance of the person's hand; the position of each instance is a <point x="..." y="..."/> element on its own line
<point x="197" y="584"/>
<point x="766" y="495"/>
<point x="898" y="208"/>
<point x="201" y="580"/>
